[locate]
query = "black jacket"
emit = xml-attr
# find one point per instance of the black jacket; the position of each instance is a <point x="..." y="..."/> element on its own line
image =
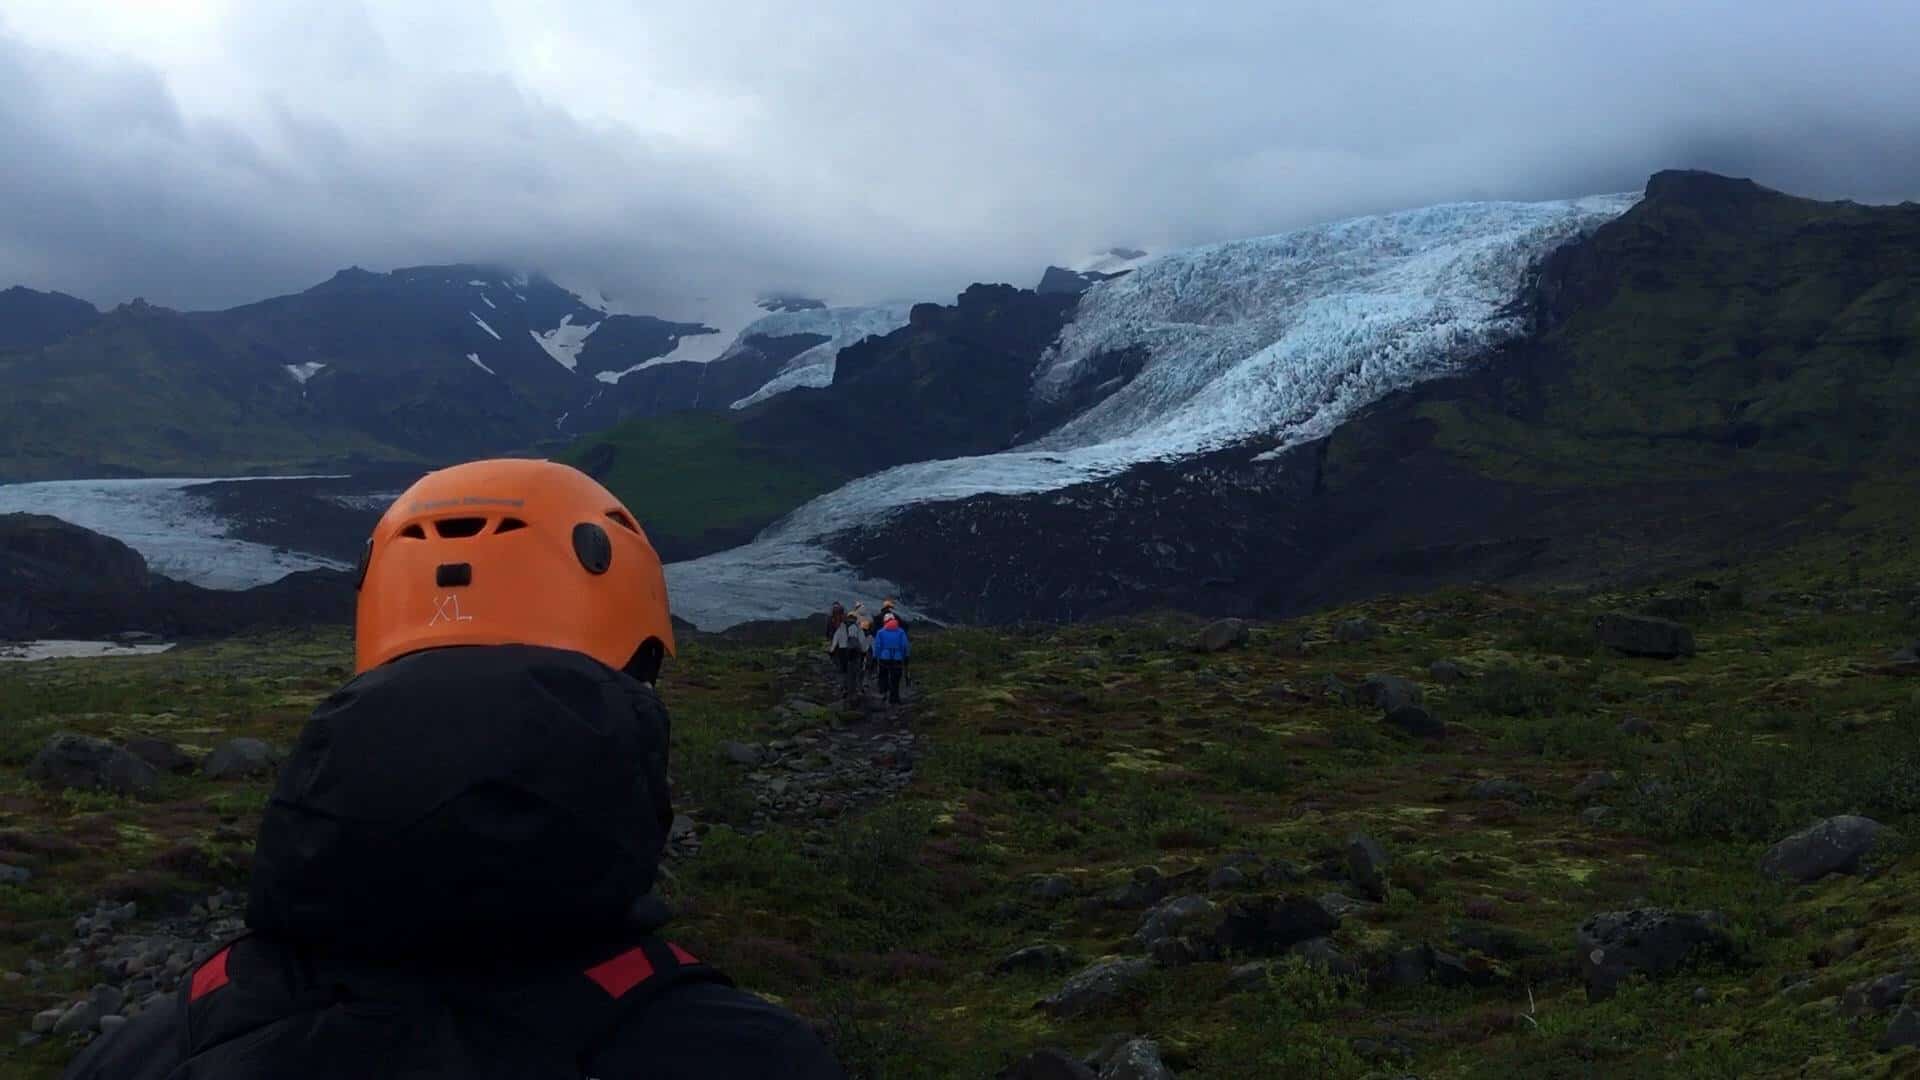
<point x="450" y="881"/>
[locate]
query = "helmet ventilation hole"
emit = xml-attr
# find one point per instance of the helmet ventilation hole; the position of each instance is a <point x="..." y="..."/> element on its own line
<point x="459" y="528"/>
<point x="509" y="525"/>
<point x="624" y="521"/>
<point x="414" y="532"/>
<point x="593" y="547"/>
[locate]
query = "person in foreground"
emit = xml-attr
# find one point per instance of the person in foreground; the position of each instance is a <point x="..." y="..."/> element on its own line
<point x="453" y="876"/>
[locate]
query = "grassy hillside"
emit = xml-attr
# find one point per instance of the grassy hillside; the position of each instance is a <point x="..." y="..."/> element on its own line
<point x="1076" y="757"/>
<point x="697" y="483"/>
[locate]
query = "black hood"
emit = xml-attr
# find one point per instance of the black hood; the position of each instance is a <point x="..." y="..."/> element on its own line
<point x="497" y="799"/>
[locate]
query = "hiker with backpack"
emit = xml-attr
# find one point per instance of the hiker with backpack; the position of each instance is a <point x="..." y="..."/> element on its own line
<point x="835" y="616"/>
<point x="890" y="650"/>
<point x="454" y="875"/>
<point x="849" y="650"/>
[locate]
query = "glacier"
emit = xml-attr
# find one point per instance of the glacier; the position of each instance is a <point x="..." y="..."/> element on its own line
<point x="841" y="326"/>
<point x="177" y="532"/>
<point x="1277" y="338"/>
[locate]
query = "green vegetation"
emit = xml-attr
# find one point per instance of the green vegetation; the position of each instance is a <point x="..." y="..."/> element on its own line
<point x="694" y="478"/>
<point x="1089" y="751"/>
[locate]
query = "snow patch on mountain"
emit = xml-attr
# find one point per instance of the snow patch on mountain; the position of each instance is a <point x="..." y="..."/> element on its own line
<point x="814" y="367"/>
<point x="302" y="372"/>
<point x="483" y="325"/>
<point x="1279" y="338"/>
<point x="489" y="302"/>
<point x="475" y="359"/>
<point x="565" y="341"/>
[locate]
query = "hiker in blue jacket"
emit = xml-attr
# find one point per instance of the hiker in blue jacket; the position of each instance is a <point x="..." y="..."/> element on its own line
<point x="890" y="650"/>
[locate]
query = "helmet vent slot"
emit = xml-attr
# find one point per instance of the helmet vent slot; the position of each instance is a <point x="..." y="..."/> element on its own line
<point x="623" y="520"/>
<point x="509" y="525"/>
<point x="414" y="532"/>
<point x="459" y="528"/>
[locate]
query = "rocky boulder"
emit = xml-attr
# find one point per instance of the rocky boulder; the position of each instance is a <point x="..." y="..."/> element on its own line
<point x="1614" y="945"/>
<point x="1903" y="1031"/>
<point x="1388" y="692"/>
<point x="237" y="758"/>
<point x="161" y="754"/>
<point x="1417" y="722"/>
<point x="1043" y="958"/>
<point x="1095" y="987"/>
<point x="1270" y="925"/>
<point x="1446" y="671"/>
<point x="1641" y="635"/>
<point x="80" y="761"/>
<point x="1834" y="846"/>
<point x="1133" y="1059"/>
<point x="1367" y="864"/>
<point x="1223" y="635"/>
<point x="1352" y="631"/>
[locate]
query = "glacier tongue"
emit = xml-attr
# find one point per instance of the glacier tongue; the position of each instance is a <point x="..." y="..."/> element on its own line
<point x="842" y="326"/>
<point x="1282" y="336"/>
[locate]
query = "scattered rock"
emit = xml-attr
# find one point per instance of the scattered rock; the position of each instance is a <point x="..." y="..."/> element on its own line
<point x="1446" y="671"/>
<point x="1904" y="1031"/>
<point x="1051" y="887"/>
<point x="80" y="761"/>
<point x="1406" y="969"/>
<point x="1499" y="942"/>
<point x="1340" y="691"/>
<point x="1834" y="846"/>
<point x="14" y="875"/>
<point x="1649" y="941"/>
<point x="1250" y="976"/>
<point x="1355" y="630"/>
<point x="1045" y="958"/>
<point x="1221" y="880"/>
<point x="1637" y="727"/>
<point x="1505" y="790"/>
<point x="1874" y="995"/>
<point x="1389" y="692"/>
<point x="1641" y="635"/>
<point x="110" y="1024"/>
<point x="743" y="753"/>
<point x="1342" y="906"/>
<point x="1095" y="987"/>
<point x="1223" y="635"/>
<point x="1321" y="953"/>
<point x="1047" y="1064"/>
<point x="1145" y="889"/>
<point x="1367" y="864"/>
<point x="43" y="1021"/>
<point x="107" y="999"/>
<point x="1417" y="722"/>
<point x="1597" y="815"/>
<point x="1702" y="996"/>
<point x="1176" y="918"/>
<point x="160" y="754"/>
<point x="1269" y="926"/>
<point x="1594" y="784"/>
<point x="241" y="757"/>
<point x="1137" y="1059"/>
<point x="1181" y="951"/>
<point x="1290" y="643"/>
<point x="80" y="1016"/>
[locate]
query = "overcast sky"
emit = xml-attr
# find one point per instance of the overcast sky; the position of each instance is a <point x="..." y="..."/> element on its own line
<point x="205" y="153"/>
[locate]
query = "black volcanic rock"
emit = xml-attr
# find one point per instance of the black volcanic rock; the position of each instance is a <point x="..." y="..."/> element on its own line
<point x="1058" y="279"/>
<point x="58" y="580"/>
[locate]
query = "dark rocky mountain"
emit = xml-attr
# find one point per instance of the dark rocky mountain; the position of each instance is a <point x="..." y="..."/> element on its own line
<point x="61" y="581"/>
<point x="952" y="382"/>
<point x="418" y="365"/>
<point x="1058" y="279"/>
<point x="1719" y="370"/>
<point x="30" y="319"/>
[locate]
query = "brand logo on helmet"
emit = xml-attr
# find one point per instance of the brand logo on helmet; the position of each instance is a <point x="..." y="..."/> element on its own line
<point x="447" y="609"/>
<point x="471" y="500"/>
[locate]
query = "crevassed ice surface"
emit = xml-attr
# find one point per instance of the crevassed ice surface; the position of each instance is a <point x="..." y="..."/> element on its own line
<point x="842" y="326"/>
<point x="178" y="533"/>
<point x="1280" y="336"/>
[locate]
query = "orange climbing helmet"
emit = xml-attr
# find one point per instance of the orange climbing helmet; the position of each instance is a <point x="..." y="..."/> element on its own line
<point x="510" y="552"/>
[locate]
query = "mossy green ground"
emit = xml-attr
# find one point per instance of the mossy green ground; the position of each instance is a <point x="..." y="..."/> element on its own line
<point x="1088" y="751"/>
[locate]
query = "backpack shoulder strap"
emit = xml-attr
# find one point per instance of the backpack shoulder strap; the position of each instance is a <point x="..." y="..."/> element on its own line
<point x="582" y="1012"/>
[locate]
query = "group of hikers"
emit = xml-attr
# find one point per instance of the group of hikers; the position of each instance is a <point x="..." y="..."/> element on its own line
<point x="454" y="876"/>
<point x="860" y="643"/>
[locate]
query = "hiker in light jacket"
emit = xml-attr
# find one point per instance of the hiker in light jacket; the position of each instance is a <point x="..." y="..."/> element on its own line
<point x="850" y="653"/>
